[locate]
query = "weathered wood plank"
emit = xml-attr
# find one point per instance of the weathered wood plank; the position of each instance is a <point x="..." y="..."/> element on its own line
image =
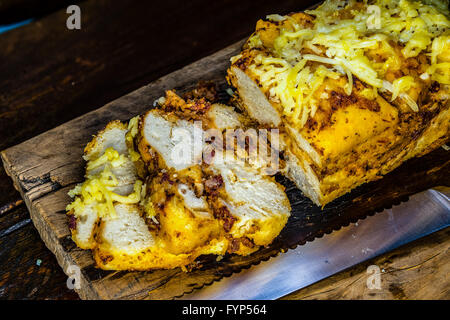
<point x="418" y="270"/>
<point x="45" y="167"/>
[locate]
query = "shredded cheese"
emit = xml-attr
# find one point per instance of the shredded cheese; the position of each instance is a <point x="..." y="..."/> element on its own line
<point x="97" y="189"/>
<point x="110" y="156"/>
<point x="133" y="127"/>
<point x="440" y="72"/>
<point x="400" y="85"/>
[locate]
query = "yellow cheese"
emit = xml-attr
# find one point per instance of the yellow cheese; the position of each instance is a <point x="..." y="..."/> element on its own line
<point x="133" y="127"/>
<point x="97" y="189"/>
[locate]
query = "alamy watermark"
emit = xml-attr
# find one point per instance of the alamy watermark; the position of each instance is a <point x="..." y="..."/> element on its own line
<point x="74" y="279"/>
<point x="73" y="22"/>
<point x="374" y="20"/>
<point x="374" y="279"/>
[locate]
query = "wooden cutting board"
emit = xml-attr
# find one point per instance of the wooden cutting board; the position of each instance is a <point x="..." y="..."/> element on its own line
<point x="47" y="166"/>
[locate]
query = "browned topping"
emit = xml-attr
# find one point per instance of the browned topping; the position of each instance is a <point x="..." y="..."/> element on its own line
<point x="242" y="63"/>
<point x="320" y="150"/>
<point x="205" y="89"/>
<point x="151" y="224"/>
<point x="198" y="106"/>
<point x="435" y="86"/>
<point x="213" y="183"/>
<point x="72" y="221"/>
<point x="247" y="242"/>
<point x="371" y="105"/>
<point x="106" y="259"/>
<point x="234" y="245"/>
<point x="228" y="220"/>
<point x="304" y="19"/>
<point x="311" y="123"/>
<point x="410" y="63"/>
<point x="173" y="101"/>
<point x="165" y="177"/>
<point x="348" y="12"/>
<point x="189" y="108"/>
<point x="338" y="100"/>
<point x="427" y="115"/>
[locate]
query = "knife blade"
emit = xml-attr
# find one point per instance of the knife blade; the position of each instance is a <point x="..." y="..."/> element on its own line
<point x="422" y="214"/>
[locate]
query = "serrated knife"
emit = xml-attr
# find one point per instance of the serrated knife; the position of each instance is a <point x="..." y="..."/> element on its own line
<point x="422" y="214"/>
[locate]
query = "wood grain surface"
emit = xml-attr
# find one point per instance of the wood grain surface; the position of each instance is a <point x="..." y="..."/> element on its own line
<point x="45" y="167"/>
<point x="53" y="75"/>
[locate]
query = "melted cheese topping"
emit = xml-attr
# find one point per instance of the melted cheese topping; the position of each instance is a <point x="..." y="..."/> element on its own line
<point x="97" y="189"/>
<point x="341" y="36"/>
<point x="133" y="127"/>
<point x="110" y="156"/>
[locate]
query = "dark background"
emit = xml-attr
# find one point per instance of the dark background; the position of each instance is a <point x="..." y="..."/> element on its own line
<point x="49" y="75"/>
